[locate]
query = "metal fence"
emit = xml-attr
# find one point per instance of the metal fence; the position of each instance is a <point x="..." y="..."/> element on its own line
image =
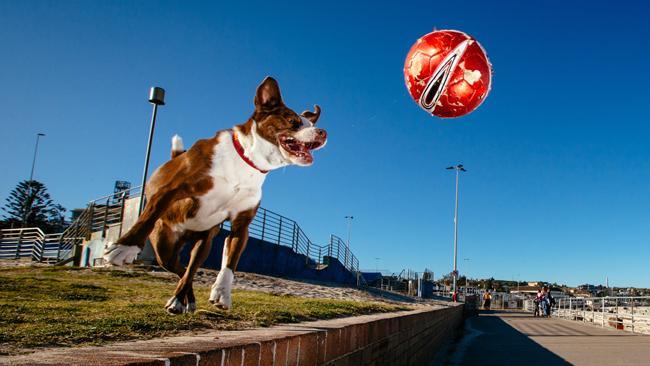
<point x="629" y="313"/>
<point x="33" y="243"/>
<point x="108" y="211"/>
<point x="277" y="229"/>
<point x="105" y="212"/>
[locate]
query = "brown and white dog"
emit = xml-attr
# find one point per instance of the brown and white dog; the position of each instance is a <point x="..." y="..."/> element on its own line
<point x="217" y="179"/>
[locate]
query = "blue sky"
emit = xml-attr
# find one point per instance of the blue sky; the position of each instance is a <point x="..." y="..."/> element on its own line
<point x="558" y="186"/>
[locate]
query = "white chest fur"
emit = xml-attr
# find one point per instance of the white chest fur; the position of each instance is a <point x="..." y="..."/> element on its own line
<point x="236" y="187"/>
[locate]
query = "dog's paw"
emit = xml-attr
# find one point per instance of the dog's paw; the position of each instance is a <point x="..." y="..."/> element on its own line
<point x="190" y="308"/>
<point x="175" y="306"/>
<point x="220" y="294"/>
<point x="119" y="255"/>
<point x="220" y="298"/>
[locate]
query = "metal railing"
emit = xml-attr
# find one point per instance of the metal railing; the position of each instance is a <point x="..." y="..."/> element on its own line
<point x="403" y="281"/>
<point x="99" y="215"/>
<point x="339" y="250"/>
<point x="108" y="211"/>
<point x="32" y="243"/>
<point x="629" y="313"/>
<point x="277" y="229"/>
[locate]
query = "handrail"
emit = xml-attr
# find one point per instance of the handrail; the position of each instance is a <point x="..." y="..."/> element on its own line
<point x="26" y="242"/>
<point x="108" y="211"/>
<point x="629" y="313"/>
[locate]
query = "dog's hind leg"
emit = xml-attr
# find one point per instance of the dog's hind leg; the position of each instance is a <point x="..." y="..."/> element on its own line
<point x="131" y="243"/>
<point x="200" y="252"/>
<point x="167" y="245"/>
<point x="233" y="248"/>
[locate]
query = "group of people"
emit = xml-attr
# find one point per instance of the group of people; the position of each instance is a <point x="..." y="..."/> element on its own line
<point x="543" y="302"/>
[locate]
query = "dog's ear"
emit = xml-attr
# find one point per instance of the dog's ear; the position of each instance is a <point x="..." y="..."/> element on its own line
<point x="312" y="116"/>
<point x="268" y="95"/>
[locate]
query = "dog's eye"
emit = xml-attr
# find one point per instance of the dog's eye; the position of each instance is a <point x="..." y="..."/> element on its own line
<point x="296" y="123"/>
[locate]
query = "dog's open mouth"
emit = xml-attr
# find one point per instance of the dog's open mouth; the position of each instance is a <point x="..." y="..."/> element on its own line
<point x="299" y="149"/>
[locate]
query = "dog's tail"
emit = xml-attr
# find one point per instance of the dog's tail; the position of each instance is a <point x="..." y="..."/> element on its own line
<point x="177" y="146"/>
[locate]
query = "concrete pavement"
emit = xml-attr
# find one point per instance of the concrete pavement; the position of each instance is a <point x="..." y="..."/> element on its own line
<point x="516" y="338"/>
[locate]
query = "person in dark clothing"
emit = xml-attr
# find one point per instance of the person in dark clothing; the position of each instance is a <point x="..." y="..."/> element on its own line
<point x="487" y="300"/>
<point x="537" y="303"/>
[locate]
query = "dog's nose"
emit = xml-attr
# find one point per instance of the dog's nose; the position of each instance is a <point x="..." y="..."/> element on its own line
<point x="321" y="133"/>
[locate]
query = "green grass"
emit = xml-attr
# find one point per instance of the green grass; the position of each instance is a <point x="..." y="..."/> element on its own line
<point x="55" y="306"/>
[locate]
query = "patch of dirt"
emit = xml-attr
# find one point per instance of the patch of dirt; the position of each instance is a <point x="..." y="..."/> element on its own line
<point x="274" y="285"/>
<point x="304" y="288"/>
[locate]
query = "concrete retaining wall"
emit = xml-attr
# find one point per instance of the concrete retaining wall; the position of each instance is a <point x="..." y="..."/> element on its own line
<point x="403" y="338"/>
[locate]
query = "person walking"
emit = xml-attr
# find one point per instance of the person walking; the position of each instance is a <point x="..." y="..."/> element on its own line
<point x="543" y="301"/>
<point x="537" y="303"/>
<point x="487" y="300"/>
<point x="550" y="301"/>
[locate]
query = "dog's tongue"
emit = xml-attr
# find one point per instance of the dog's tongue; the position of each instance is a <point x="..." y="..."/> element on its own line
<point x="303" y="153"/>
<point x="300" y="149"/>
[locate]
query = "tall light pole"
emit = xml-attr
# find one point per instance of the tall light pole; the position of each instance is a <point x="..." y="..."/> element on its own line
<point x="466" y="275"/>
<point x="349" y="218"/>
<point x="28" y="202"/>
<point x="31" y="174"/>
<point x="156" y="97"/>
<point x="458" y="168"/>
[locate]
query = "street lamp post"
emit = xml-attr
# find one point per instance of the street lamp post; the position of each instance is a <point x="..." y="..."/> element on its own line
<point x="349" y="218"/>
<point x="466" y="275"/>
<point x="156" y="97"/>
<point x="347" y="249"/>
<point x="29" y="202"/>
<point x="458" y="168"/>
<point x="31" y="174"/>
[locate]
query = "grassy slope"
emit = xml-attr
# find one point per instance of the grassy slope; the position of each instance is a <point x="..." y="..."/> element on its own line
<point x="50" y="306"/>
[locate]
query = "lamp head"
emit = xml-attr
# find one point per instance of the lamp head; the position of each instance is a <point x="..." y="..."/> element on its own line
<point x="157" y="95"/>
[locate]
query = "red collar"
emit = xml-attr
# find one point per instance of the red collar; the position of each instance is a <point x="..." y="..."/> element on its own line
<point x="240" y="151"/>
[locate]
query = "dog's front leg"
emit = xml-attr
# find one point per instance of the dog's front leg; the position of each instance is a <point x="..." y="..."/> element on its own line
<point x="233" y="248"/>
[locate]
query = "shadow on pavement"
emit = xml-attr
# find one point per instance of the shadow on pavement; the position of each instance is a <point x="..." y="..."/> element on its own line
<point x="488" y="340"/>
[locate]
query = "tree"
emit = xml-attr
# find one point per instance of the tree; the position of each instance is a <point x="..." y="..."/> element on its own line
<point x="56" y="221"/>
<point x="29" y="205"/>
<point x="447" y="279"/>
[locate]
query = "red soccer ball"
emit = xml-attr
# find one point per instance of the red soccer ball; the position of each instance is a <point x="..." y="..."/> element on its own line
<point x="447" y="73"/>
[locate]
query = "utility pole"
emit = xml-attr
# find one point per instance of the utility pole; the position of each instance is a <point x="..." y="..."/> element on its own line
<point x="458" y="168"/>
<point x="156" y="97"/>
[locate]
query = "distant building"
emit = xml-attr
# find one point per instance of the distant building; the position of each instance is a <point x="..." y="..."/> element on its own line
<point x="531" y="291"/>
<point x="525" y="290"/>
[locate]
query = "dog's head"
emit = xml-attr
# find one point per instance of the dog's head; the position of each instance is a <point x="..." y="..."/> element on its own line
<point x="294" y="135"/>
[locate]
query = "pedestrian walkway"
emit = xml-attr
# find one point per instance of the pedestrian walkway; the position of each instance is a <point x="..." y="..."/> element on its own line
<point x="517" y="338"/>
